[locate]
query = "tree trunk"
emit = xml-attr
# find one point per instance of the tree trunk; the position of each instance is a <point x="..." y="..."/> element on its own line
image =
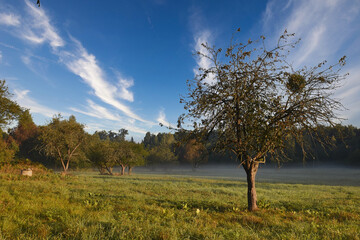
<point x="122" y="170"/>
<point x="109" y="169"/>
<point x="251" y="193"/>
<point x="64" y="172"/>
<point x="102" y="170"/>
<point x="129" y="170"/>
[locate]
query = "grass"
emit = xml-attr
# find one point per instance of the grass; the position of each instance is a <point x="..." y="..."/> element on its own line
<point x="91" y="206"/>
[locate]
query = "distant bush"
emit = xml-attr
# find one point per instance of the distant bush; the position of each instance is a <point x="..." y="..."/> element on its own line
<point x="17" y="165"/>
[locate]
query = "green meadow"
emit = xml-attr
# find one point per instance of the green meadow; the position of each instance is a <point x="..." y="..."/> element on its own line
<point x="158" y="206"/>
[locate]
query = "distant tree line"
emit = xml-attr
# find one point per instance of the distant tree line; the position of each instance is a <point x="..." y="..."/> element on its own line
<point x="344" y="149"/>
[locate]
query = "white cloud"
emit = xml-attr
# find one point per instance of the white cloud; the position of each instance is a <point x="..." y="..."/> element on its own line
<point x="115" y="121"/>
<point x="22" y="98"/>
<point x="39" y="29"/>
<point x="162" y="119"/>
<point x="123" y="85"/>
<point x="9" y="19"/>
<point x="95" y="110"/>
<point x="85" y="65"/>
<point x="200" y="38"/>
<point x="1" y="56"/>
<point x="348" y="93"/>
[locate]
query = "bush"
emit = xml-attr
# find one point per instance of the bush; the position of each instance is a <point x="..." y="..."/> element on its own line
<point x="17" y="165"/>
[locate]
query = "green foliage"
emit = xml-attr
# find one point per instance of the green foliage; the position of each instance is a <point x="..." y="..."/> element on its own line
<point x="138" y="155"/>
<point x="161" y="148"/>
<point x="100" y="154"/>
<point x="106" y="152"/>
<point x="61" y="139"/>
<point x="8" y="149"/>
<point x="113" y="136"/>
<point x="9" y="110"/>
<point x="161" y="155"/>
<point x="14" y="167"/>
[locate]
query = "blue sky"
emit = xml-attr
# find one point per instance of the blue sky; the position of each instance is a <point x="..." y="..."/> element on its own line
<point x="124" y="64"/>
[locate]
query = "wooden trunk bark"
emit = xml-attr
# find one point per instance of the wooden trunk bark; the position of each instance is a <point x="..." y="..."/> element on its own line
<point x="129" y="170"/>
<point x="122" y="170"/>
<point x="251" y="193"/>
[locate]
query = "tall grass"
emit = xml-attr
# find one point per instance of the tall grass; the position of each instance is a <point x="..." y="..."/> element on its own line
<point x="167" y="207"/>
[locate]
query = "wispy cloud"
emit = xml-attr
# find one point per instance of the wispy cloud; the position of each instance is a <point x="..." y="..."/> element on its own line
<point x="124" y="84"/>
<point x="162" y="120"/>
<point x="202" y="62"/>
<point x="85" y="65"/>
<point x="321" y="25"/>
<point x="23" y="99"/>
<point x="202" y="35"/>
<point x="39" y="29"/>
<point x="113" y="120"/>
<point x="9" y="19"/>
<point x="26" y="60"/>
<point x="97" y="111"/>
<point x="9" y="46"/>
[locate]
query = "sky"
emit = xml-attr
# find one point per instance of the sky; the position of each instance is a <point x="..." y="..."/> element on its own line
<point x="124" y="64"/>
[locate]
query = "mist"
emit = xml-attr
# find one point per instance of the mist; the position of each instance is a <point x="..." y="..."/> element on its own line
<point x="335" y="175"/>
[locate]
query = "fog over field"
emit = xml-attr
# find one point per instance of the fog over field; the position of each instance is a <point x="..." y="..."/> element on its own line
<point x="334" y="175"/>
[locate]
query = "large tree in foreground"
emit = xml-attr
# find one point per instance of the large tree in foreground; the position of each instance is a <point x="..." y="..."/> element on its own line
<point x="254" y="100"/>
<point x="61" y="139"/>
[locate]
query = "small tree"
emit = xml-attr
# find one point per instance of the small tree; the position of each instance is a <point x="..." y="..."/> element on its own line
<point x="122" y="154"/>
<point x="138" y="155"/>
<point x="25" y="134"/>
<point x="61" y="139"/>
<point x="161" y="155"/>
<point x="101" y="154"/>
<point x="194" y="152"/>
<point x="254" y="99"/>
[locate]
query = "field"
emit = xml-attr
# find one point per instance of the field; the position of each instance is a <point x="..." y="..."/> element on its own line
<point x="183" y="205"/>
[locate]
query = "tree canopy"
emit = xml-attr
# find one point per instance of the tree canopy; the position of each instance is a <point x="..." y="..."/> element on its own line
<point x="9" y="109"/>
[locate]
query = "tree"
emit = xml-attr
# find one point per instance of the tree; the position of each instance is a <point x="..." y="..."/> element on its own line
<point x="162" y="155"/>
<point x="61" y="139"/>
<point x="101" y="154"/>
<point x="254" y="99"/>
<point x="25" y="134"/>
<point x="122" y="154"/>
<point x="194" y="152"/>
<point x="138" y="155"/>
<point x="9" y="110"/>
<point x="113" y="136"/>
